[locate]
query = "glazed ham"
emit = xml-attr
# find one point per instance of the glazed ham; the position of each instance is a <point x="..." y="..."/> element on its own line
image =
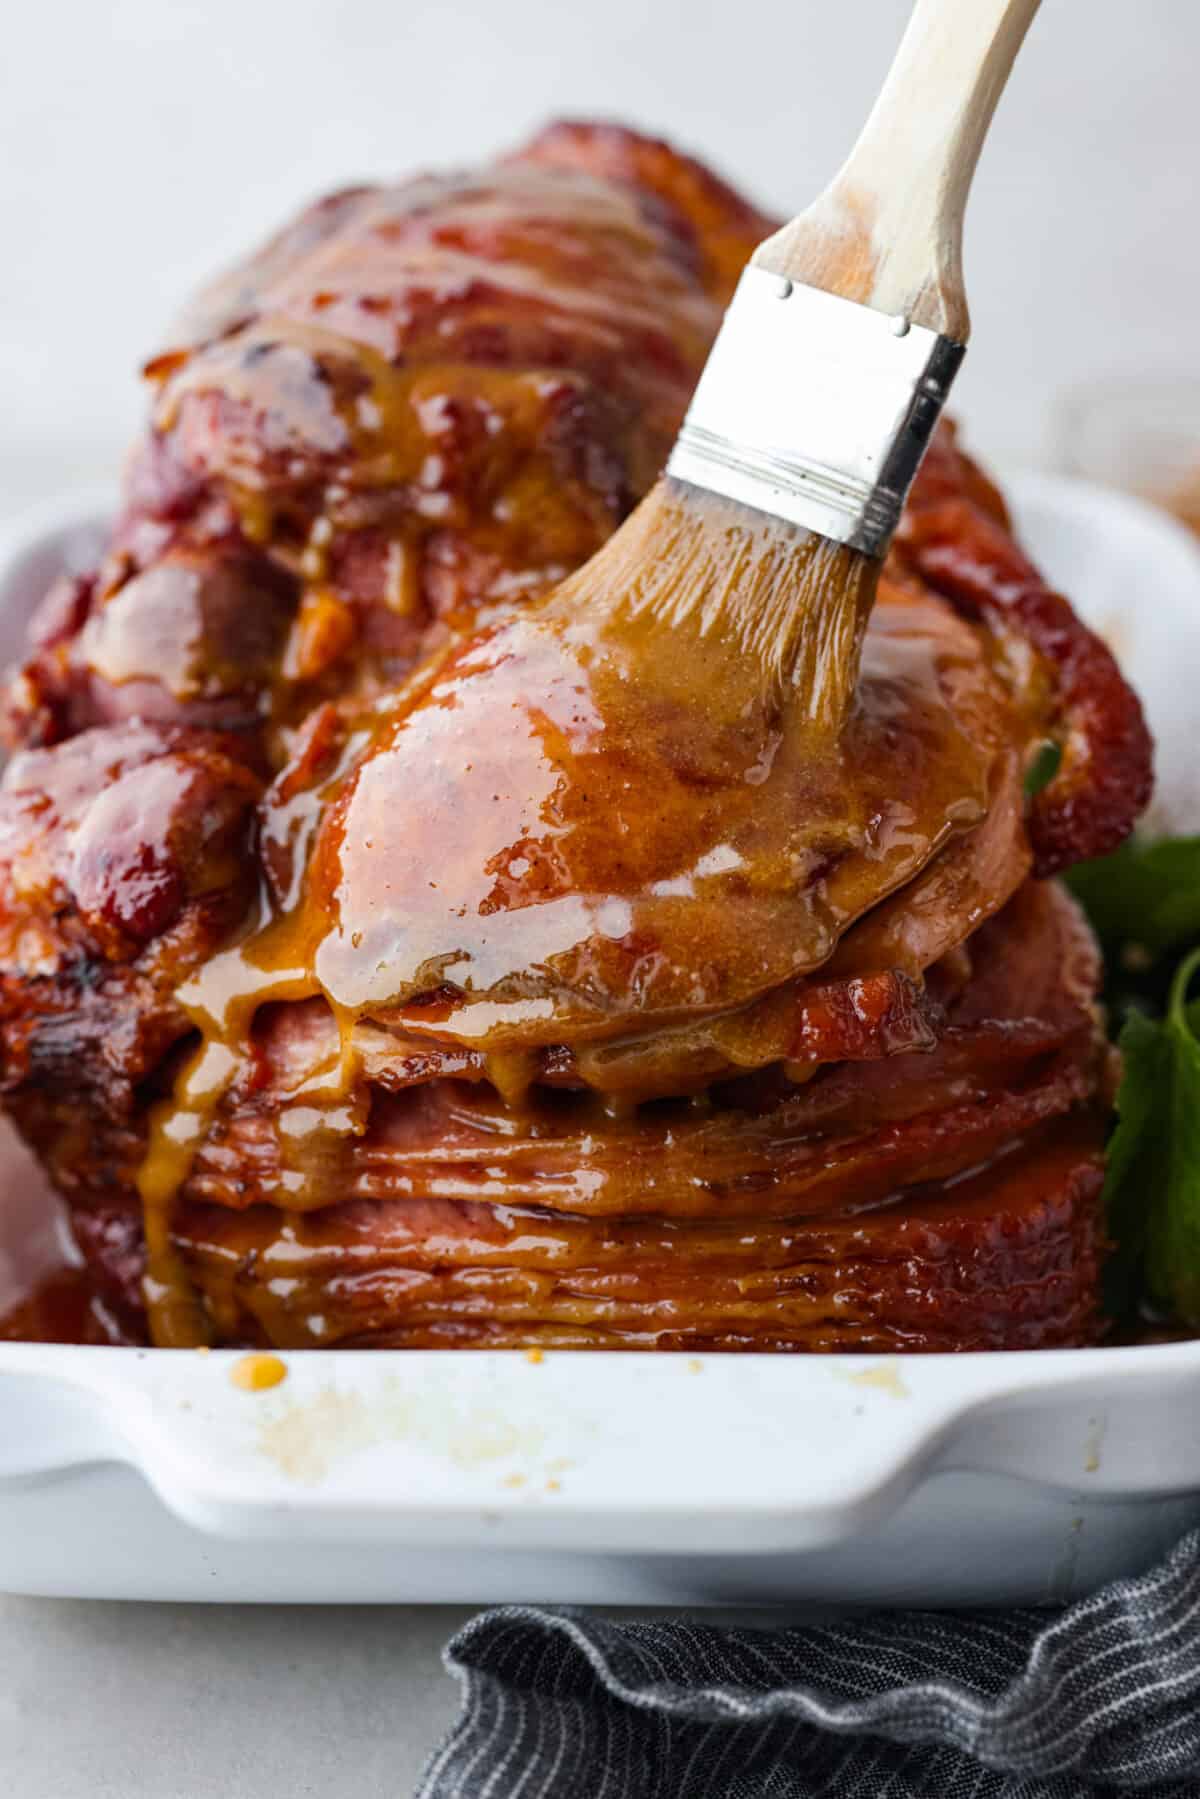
<point x="393" y="952"/>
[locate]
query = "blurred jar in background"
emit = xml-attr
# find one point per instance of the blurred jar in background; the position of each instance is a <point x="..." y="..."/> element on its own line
<point x="1138" y="433"/>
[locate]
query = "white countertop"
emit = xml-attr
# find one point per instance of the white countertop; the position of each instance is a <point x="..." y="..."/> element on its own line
<point x="101" y="1700"/>
<point x="104" y="1701"/>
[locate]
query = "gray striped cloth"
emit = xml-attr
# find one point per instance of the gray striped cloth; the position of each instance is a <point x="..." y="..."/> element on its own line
<point x="1103" y="1698"/>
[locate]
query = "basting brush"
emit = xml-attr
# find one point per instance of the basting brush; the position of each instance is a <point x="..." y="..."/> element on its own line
<point x="823" y="387"/>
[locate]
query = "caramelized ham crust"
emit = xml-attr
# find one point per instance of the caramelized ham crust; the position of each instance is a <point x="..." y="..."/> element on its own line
<point x="393" y="950"/>
<point x="934" y="1199"/>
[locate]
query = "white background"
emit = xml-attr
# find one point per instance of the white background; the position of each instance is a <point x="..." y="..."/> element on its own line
<point x="144" y="142"/>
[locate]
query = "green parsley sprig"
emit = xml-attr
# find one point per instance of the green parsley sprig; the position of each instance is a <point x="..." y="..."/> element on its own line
<point x="1144" y="903"/>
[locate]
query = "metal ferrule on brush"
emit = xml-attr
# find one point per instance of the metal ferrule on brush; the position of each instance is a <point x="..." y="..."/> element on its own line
<point x="816" y="409"/>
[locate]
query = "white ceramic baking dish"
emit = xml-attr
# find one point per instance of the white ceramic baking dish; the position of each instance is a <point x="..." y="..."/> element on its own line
<point x="621" y="1478"/>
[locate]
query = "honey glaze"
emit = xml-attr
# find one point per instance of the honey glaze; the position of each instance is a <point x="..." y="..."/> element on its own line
<point x="266" y="965"/>
<point x="618" y="955"/>
<point x="665" y="790"/>
<point x="427" y="1262"/>
<point x="258" y="1373"/>
<point x="662" y="793"/>
<point x="934" y="1267"/>
<point x="268" y="961"/>
<point x="432" y="394"/>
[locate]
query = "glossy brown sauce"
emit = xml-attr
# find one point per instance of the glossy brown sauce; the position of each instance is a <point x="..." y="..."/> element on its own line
<point x="570" y="889"/>
<point x="662" y="794"/>
<point x="258" y="1373"/>
<point x="392" y="411"/>
<point x="441" y="1272"/>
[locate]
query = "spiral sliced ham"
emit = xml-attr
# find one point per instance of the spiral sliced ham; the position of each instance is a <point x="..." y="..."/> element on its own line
<point x="393" y="954"/>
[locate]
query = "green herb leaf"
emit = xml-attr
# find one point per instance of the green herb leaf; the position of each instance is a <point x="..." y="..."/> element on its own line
<point x="1145" y="893"/>
<point x="1133" y="1151"/>
<point x="1045" y="764"/>
<point x="1152" y="1191"/>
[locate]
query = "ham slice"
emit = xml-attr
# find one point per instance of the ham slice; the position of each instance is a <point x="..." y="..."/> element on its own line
<point x="399" y="948"/>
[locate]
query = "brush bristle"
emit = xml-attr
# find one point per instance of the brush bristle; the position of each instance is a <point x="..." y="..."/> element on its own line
<point x="790" y="606"/>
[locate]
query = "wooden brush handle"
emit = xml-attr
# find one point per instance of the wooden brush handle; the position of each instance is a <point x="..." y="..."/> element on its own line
<point x="888" y="231"/>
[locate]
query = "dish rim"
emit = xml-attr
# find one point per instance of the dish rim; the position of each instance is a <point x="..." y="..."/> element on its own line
<point x="199" y="1440"/>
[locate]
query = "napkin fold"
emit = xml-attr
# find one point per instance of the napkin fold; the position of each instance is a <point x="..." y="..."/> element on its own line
<point x="1101" y="1698"/>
